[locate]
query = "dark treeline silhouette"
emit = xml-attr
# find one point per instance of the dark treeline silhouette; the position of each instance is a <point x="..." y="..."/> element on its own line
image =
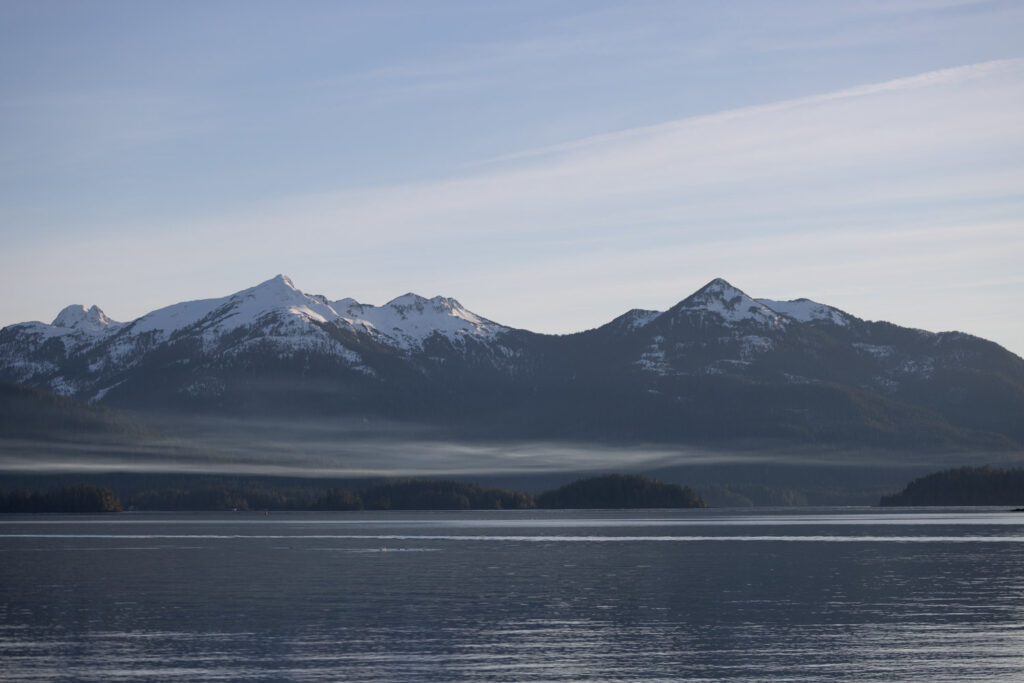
<point x="608" y="491"/>
<point x="963" y="486"/>
<point x="224" y="496"/>
<point x="339" y="499"/>
<point x="620" y="491"/>
<point x="424" y="494"/>
<point x="412" y="494"/>
<point x="427" y="494"/>
<point x="79" y="498"/>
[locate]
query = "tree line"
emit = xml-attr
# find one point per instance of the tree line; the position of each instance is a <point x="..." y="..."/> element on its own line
<point x="78" y="498"/>
<point x="963" y="486"/>
<point x="606" y="491"/>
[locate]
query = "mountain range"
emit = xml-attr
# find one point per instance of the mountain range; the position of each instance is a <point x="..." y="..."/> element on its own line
<point x="718" y="366"/>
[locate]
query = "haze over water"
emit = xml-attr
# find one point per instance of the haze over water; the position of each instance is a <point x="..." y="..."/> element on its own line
<point x="642" y="595"/>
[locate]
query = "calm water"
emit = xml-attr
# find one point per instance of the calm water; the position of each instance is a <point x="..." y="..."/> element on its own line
<point x="511" y="596"/>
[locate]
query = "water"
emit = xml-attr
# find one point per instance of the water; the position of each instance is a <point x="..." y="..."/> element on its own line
<point x="513" y="596"/>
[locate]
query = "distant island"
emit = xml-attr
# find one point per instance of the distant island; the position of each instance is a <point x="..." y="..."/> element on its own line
<point x="963" y="486"/>
<point x="602" y="492"/>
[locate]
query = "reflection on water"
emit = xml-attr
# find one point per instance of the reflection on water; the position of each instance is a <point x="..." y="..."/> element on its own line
<point x="705" y="595"/>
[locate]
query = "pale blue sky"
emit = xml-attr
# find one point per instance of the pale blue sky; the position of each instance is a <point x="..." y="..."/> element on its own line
<point x="550" y="164"/>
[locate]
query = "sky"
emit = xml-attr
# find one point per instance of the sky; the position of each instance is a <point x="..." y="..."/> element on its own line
<point x="550" y="164"/>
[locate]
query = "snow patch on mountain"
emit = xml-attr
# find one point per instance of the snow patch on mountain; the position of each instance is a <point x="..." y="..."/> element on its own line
<point x="22" y="370"/>
<point x="288" y="345"/>
<point x="752" y="346"/>
<point x="653" y="358"/>
<point x="206" y="387"/>
<point x="63" y="386"/>
<point x="921" y="367"/>
<point x="98" y="396"/>
<point x="878" y="351"/>
<point x="40" y="332"/>
<point x="805" y="310"/>
<point x="635" y="319"/>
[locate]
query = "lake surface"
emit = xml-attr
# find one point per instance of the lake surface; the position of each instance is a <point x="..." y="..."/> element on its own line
<point x="808" y="594"/>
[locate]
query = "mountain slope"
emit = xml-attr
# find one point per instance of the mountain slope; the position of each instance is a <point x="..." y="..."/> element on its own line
<point x="30" y="413"/>
<point x="719" y="365"/>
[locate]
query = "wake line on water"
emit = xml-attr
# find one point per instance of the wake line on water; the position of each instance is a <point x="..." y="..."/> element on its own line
<point x="548" y="539"/>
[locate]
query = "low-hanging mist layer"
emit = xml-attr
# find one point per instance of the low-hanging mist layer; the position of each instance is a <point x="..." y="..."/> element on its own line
<point x="718" y="366"/>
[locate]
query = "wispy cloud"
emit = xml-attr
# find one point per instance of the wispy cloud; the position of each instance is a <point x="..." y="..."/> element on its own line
<point x="948" y="136"/>
<point x="942" y="137"/>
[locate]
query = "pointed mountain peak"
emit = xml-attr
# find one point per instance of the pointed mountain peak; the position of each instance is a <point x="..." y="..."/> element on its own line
<point x="276" y="291"/>
<point x="277" y="296"/>
<point x="78" y="317"/>
<point x="718" y="290"/>
<point x="280" y="294"/>
<point x="407" y="300"/>
<point x="70" y="315"/>
<point x="278" y="282"/>
<point x="719" y="287"/>
<point x="731" y="304"/>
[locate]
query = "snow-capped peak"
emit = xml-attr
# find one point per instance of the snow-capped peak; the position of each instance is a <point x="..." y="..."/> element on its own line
<point x="271" y="314"/>
<point x="279" y="293"/>
<point x="718" y="289"/>
<point x="78" y="317"/>
<point x="410" y="319"/>
<point x="410" y="303"/>
<point x="731" y="304"/>
<point x="243" y="308"/>
<point x="279" y="283"/>
<point x="806" y="310"/>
